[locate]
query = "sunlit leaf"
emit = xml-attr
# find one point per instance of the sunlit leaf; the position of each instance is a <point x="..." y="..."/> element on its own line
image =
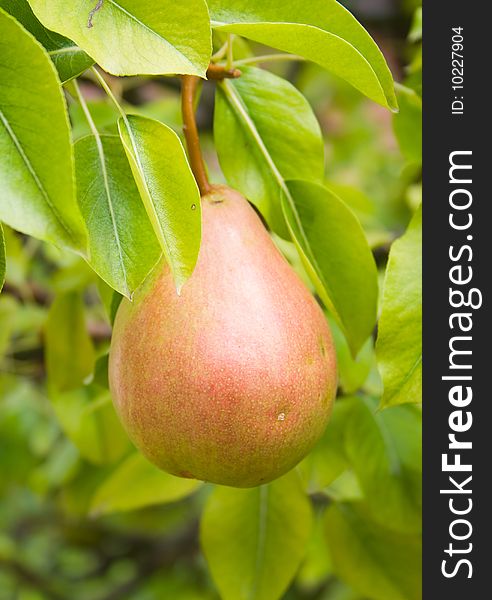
<point x="336" y="255"/>
<point x="134" y="37"/>
<point x="266" y="132"/>
<point x="68" y="58"/>
<point x="36" y="171"/>
<point x="168" y="190"/>
<point x="123" y="247"/>
<point x="320" y="30"/>
<point x="399" y="343"/>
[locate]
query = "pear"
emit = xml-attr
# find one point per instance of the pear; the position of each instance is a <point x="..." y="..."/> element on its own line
<point x="233" y="380"/>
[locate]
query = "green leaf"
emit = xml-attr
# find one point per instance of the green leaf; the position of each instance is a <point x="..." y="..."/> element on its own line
<point x="265" y="132"/>
<point x="3" y="262"/>
<point x="87" y="417"/>
<point x="407" y="124"/>
<point x="327" y="460"/>
<point x="69" y="353"/>
<point x="336" y="255"/>
<point x="255" y="539"/>
<point x="352" y="371"/>
<point x="320" y="30"/>
<point x="36" y="171"/>
<point x="374" y="561"/>
<point x="123" y="247"/>
<point x="134" y="37"/>
<point x="316" y="566"/>
<point x="415" y="33"/>
<point x="384" y="448"/>
<point x="137" y="483"/>
<point x="8" y="311"/>
<point x="399" y="343"/>
<point x="70" y="61"/>
<point x="85" y="412"/>
<point x="168" y="190"/>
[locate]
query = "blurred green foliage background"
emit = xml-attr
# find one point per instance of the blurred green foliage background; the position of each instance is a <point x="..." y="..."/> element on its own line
<point x="81" y="515"/>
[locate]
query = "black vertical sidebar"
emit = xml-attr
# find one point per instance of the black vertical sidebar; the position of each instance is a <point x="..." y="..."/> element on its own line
<point x="449" y="536"/>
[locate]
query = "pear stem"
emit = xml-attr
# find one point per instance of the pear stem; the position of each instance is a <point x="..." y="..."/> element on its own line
<point x="197" y="164"/>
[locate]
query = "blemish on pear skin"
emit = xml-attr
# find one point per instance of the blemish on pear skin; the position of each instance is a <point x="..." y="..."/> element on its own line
<point x="186" y="475"/>
<point x="322" y="347"/>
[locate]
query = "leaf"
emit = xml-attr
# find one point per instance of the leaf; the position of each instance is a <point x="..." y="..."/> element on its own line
<point x="8" y="310"/>
<point x="374" y="561"/>
<point x="384" y="448"/>
<point x="69" y="353"/>
<point x="407" y="124"/>
<point x="85" y="412"/>
<point x="3" y="262"/>
<point x="70" y="61"/>
<point x="399" y="343"/>
<point x="137" y="483"/>
<point x="316" y="566"/>
<point x="254" y="539"/>
<point x="327" y="460"/>
<point x="134" y="37"/>
<point x="168" y="190"/>
<point x="352" y="372"/>
<point x="123" y="248"/>
<point x="258" y="150"/>
<point x="36" y="171"/>
<point x="320" y="30"/>
<point x="336" y="255"/>
<point x="87" y="417"/>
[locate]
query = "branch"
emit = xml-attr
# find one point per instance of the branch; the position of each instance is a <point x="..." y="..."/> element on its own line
<point x="188" y="91"/>
<point x="219" y="72"/>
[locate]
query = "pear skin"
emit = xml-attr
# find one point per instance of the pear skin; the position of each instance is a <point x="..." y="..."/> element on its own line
<point x="233" y="380"/>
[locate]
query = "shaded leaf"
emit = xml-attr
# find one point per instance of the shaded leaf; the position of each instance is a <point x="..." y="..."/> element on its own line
<point x="134" y="37"/>
<point x="168" y="190"/>
<point x="8" y="310"/>
<point x="327" y="460"/>
<point x="399" y="343"/>
<point x="123" y="247"/>
<point x="377" y="562"/>
<point x="137" y="483"/>
<point x="3" y="261"/>
<point x="384" y="448"/>
<point x="87" y="417"/>
<point x="407" y="124"/>
<point x="85" y="412"/>
<point x="70" y="60"/>
<point x="36" y="171"/>
<point x="321" y="30"/>
<point x="316" y="566"/>
<point x="352" y="371"/>
<point x="254" y="539"/>
<point x="69" y="353"/>
<point x="257" y="149"/>
<point x="336" y="256"/>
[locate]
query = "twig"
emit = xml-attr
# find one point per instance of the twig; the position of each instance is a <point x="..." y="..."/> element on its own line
<point x="189" y="85"/>
<point x="219" y="72"/>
